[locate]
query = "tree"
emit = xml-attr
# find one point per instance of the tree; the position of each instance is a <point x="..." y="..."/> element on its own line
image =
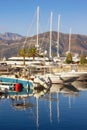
<point x="83" y="59"/>
<point x="23" y="52"/>
<point x="68" y="58"/>
<point x="33" y="52"/>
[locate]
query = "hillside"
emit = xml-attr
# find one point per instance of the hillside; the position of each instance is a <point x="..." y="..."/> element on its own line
<point x="78" y="44"/>
<point x="10" y="36"/>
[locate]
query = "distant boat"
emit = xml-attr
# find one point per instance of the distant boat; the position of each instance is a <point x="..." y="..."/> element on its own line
<point x="28" y="61"/>
<point x="48" y="76"/>
<point x="70" y="76"/>
<point x="52" y="77"/>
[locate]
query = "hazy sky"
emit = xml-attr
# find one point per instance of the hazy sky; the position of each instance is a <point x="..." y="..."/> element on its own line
<point x="19" y="16"/>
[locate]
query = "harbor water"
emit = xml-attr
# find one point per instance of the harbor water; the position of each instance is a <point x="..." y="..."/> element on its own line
<point x="54" y="111"/>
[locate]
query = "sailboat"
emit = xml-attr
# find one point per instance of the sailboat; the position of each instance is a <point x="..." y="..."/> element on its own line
<point x="53" y="77"/>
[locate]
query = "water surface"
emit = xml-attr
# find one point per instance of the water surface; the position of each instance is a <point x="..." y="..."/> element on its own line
<point x="54" y="111"/>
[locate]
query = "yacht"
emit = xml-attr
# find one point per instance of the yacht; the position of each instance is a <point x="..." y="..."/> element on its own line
<point x="28" y="61"/>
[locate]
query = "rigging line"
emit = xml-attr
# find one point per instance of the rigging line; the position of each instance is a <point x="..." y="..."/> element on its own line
<point x="28" y="31"/>
<point x="45" y="33"/>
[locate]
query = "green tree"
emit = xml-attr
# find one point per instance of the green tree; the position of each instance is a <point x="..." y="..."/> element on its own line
<point x="33" y="52"/>
<point x="23" y="52"/>
<point x="83" y="59"/>
<point x="68" y="58"/>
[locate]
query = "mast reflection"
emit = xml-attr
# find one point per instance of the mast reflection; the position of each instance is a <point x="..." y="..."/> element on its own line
<point x="21" y="100"/>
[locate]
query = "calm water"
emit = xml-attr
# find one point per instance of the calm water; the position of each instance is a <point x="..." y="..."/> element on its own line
<point x="54" y="111"/>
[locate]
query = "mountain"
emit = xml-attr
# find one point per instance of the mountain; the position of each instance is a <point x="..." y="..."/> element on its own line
<point x="78" y="42"/>
<point x="11" y="47"/>
<point x="10" y="36"/>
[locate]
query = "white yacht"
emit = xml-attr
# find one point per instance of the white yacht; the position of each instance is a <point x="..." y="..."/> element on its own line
<point x="28" y="61"/>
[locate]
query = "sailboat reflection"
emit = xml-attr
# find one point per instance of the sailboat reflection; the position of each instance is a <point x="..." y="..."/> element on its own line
<point x="38" y="92"/>
<point x="66" y="90"/>
<point x="31" y="99"/>
<point x="37" y="114"/>
<point x="58" y="108"/>
<point x="52" y="99"/>
<point x="50" y="107"/>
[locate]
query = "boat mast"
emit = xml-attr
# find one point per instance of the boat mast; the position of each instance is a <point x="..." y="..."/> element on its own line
<point x="37" y="45"/>
<point x="70" y="40"/>
<point x="50" y="56"/>
<point x="58" y="37"/>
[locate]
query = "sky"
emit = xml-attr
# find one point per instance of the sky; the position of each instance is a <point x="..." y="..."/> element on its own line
<point x="19" y="16"/>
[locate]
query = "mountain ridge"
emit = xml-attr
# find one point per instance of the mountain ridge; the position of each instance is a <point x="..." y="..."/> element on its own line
<point x="78" y="44"/>
<point x="10" y="36"/>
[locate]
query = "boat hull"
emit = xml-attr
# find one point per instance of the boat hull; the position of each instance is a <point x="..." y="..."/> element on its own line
<point x="9" y="82"/>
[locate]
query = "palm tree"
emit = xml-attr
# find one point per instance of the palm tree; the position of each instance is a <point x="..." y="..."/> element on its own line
<point x="23" y="52"/>
<point x="33" y="52"/>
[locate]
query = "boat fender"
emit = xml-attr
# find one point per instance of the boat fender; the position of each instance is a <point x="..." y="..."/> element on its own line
<point x="18" y="87"/>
